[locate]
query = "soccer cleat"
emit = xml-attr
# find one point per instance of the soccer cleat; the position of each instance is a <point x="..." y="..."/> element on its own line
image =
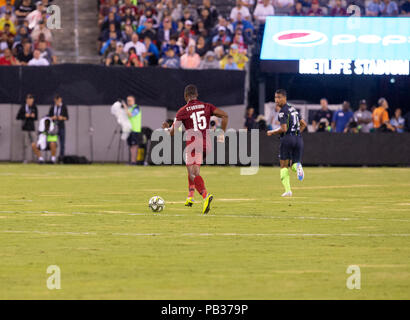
<point x="207" y="203"/>
<point x="287" y="194"/>
<point x="300" y="172"/>
<point x="189" y="202"/>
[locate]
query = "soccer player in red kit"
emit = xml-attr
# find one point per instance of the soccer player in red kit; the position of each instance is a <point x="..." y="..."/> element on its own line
<point x="195" y="116"/>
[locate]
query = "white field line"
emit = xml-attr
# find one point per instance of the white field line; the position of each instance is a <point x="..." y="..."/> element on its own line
<point x="214" y="215"/>
<point x="213" y="234"/>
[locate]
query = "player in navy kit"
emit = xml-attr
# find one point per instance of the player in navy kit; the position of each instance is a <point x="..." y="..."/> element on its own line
<point x="195" y="116"/>
<point x="291" y="142"/>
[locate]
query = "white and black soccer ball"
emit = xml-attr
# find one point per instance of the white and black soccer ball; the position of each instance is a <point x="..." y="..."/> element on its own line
<point x="156" y="204"/>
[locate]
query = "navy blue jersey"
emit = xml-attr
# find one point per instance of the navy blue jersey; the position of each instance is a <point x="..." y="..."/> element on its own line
<point x="290" y="116"/>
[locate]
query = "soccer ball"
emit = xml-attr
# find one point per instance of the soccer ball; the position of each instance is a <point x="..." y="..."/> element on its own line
<point x="156" y="204"/>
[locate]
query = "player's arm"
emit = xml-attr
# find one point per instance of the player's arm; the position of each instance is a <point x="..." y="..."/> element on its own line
<point x="282" y="129"/>
<point x="175" y="126"/>
<point x="303" y="125"/>
<point x="222" y="115"/>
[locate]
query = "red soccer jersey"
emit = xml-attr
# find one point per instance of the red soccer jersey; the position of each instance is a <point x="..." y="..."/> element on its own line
<point x="196" y="115"/>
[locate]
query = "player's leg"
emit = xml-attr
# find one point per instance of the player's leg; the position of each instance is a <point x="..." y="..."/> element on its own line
<point x="285" y="156"/>
<point x="297" y="158"/>
<point x="191" y="190"/>
<point x="133" y="144"/>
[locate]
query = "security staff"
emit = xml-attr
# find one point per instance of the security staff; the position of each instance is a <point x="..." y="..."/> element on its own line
<point x="59" y="113"/>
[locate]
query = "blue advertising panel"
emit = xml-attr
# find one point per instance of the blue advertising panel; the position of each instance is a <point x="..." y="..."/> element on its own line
<point x="296" y="38"/>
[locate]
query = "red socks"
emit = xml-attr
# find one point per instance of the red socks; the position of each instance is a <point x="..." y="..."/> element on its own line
<point x="200" y="186"/>
<point x="191" y="188"/>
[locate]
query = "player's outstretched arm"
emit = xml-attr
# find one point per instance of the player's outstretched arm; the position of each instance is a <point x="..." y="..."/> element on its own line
<point x="303" y="125"/>
<point x="224" y="116"/>
<point x="282" y="129"/>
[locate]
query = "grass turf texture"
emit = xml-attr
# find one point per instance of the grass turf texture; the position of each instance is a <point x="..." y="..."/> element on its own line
<point x="94" y="223"/>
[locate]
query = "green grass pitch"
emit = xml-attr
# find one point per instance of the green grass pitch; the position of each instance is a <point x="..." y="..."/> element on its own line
<point x="94" y="223"/>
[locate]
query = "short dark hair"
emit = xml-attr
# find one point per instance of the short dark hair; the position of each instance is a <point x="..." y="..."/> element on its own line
<point x="191" y="91"/>
<point x="282" y="92"/>
<point x="57" y="96"/>
<point x="29" y="96"/>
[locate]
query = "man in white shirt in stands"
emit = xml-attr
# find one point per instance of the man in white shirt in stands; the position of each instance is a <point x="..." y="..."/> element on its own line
<point x="38" y="60"/>
<point x="135" y="43"/>
<point x="240" y="8"/>
<point x="263" y="10"/>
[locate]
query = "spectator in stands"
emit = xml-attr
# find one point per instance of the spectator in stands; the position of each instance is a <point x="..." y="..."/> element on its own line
<point x="128" y="4"/>
<point x="121" y="56"/>
<point x="239" y="58"/>
<point x="59" y="113"/>
<point x="27" y="54"/>
<point x="363" y="117"/>
<point x="190" y="60"/>
<point x="28" y="114"/>
<point x="23" y="9"/>
<point x="172" y="44"/>
<point x="262" y="11"/>
<point x="209" y="61"/>
<point x="202" y="46"/>
<point x="4" y="43"/>
<point x="283" y="6"/>
<point x="37" y="60"/>
<point x="147" y="30"/>
<point x="41" y="28"/>
<point x="6" y="5"/>
<point x="273" y="122"/>
<point x="230" y="64"/>
<point x="134" y="60"/>
<point x="126" y="34"/>
<point x="315" y="9"/>
<point x="297" y="10"/>
<point x="239" y="8"/>
<point x="6" y="19"/>
<point x="405" y="9"/>
<point x="239" y="40"/>
<point x="221" y="39"/>
<point x="35" y="16"/>
<point x="8" y="59"/>
<point x="165" y="33"/>
<point x="206" y="4"/>
<point x="338" y="10"/>
<point x="373" y="8"/>
<point x="397" y="122"/>
<point x="151" y="56"/>
<point x="381" y="121"/>
<point x="389" y="8"/>
<point x="206" y="18"/>
<point x="250" y="122"/>
<point x="46" y="52"/>
<point x="170" y="60"/>
<point x="342" y="117"/>
<point x="323" y="117"/>
<point x="112" y="18"/>
<point x="136" y="44"/>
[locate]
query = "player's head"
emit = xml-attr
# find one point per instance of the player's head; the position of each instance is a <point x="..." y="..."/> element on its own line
<point x="191" y="92"/>
<point x="280" y="97"/>
<point x="30" y="99"/>
<point x="130" y="100"/>
<point x="362" y="105"/>
<point x="323" y="103"/>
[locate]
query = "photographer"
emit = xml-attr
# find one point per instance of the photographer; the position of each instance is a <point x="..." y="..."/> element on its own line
<point x="135" y="116"/>
<point x="28" y="114"/>
<point x="47" y="139"/>
<point x="59" y="113"/>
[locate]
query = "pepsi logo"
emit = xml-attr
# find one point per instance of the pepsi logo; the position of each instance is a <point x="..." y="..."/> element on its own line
<point x="299" y="38"/>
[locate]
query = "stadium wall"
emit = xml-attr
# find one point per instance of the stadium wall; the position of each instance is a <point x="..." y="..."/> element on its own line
<point x="338" y="149"/>
<point x="81" y="84"/>
<point x="91" y="131"/>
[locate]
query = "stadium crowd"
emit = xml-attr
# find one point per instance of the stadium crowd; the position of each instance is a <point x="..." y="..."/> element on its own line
<point x="24" y="36"/>
<point x="344" y="120"/>
<point x="183" y="34"/>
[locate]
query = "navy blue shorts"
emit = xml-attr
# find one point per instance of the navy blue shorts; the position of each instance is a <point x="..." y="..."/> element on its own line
<point x="134" y="139"/>
<point x="291" y="148"/>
